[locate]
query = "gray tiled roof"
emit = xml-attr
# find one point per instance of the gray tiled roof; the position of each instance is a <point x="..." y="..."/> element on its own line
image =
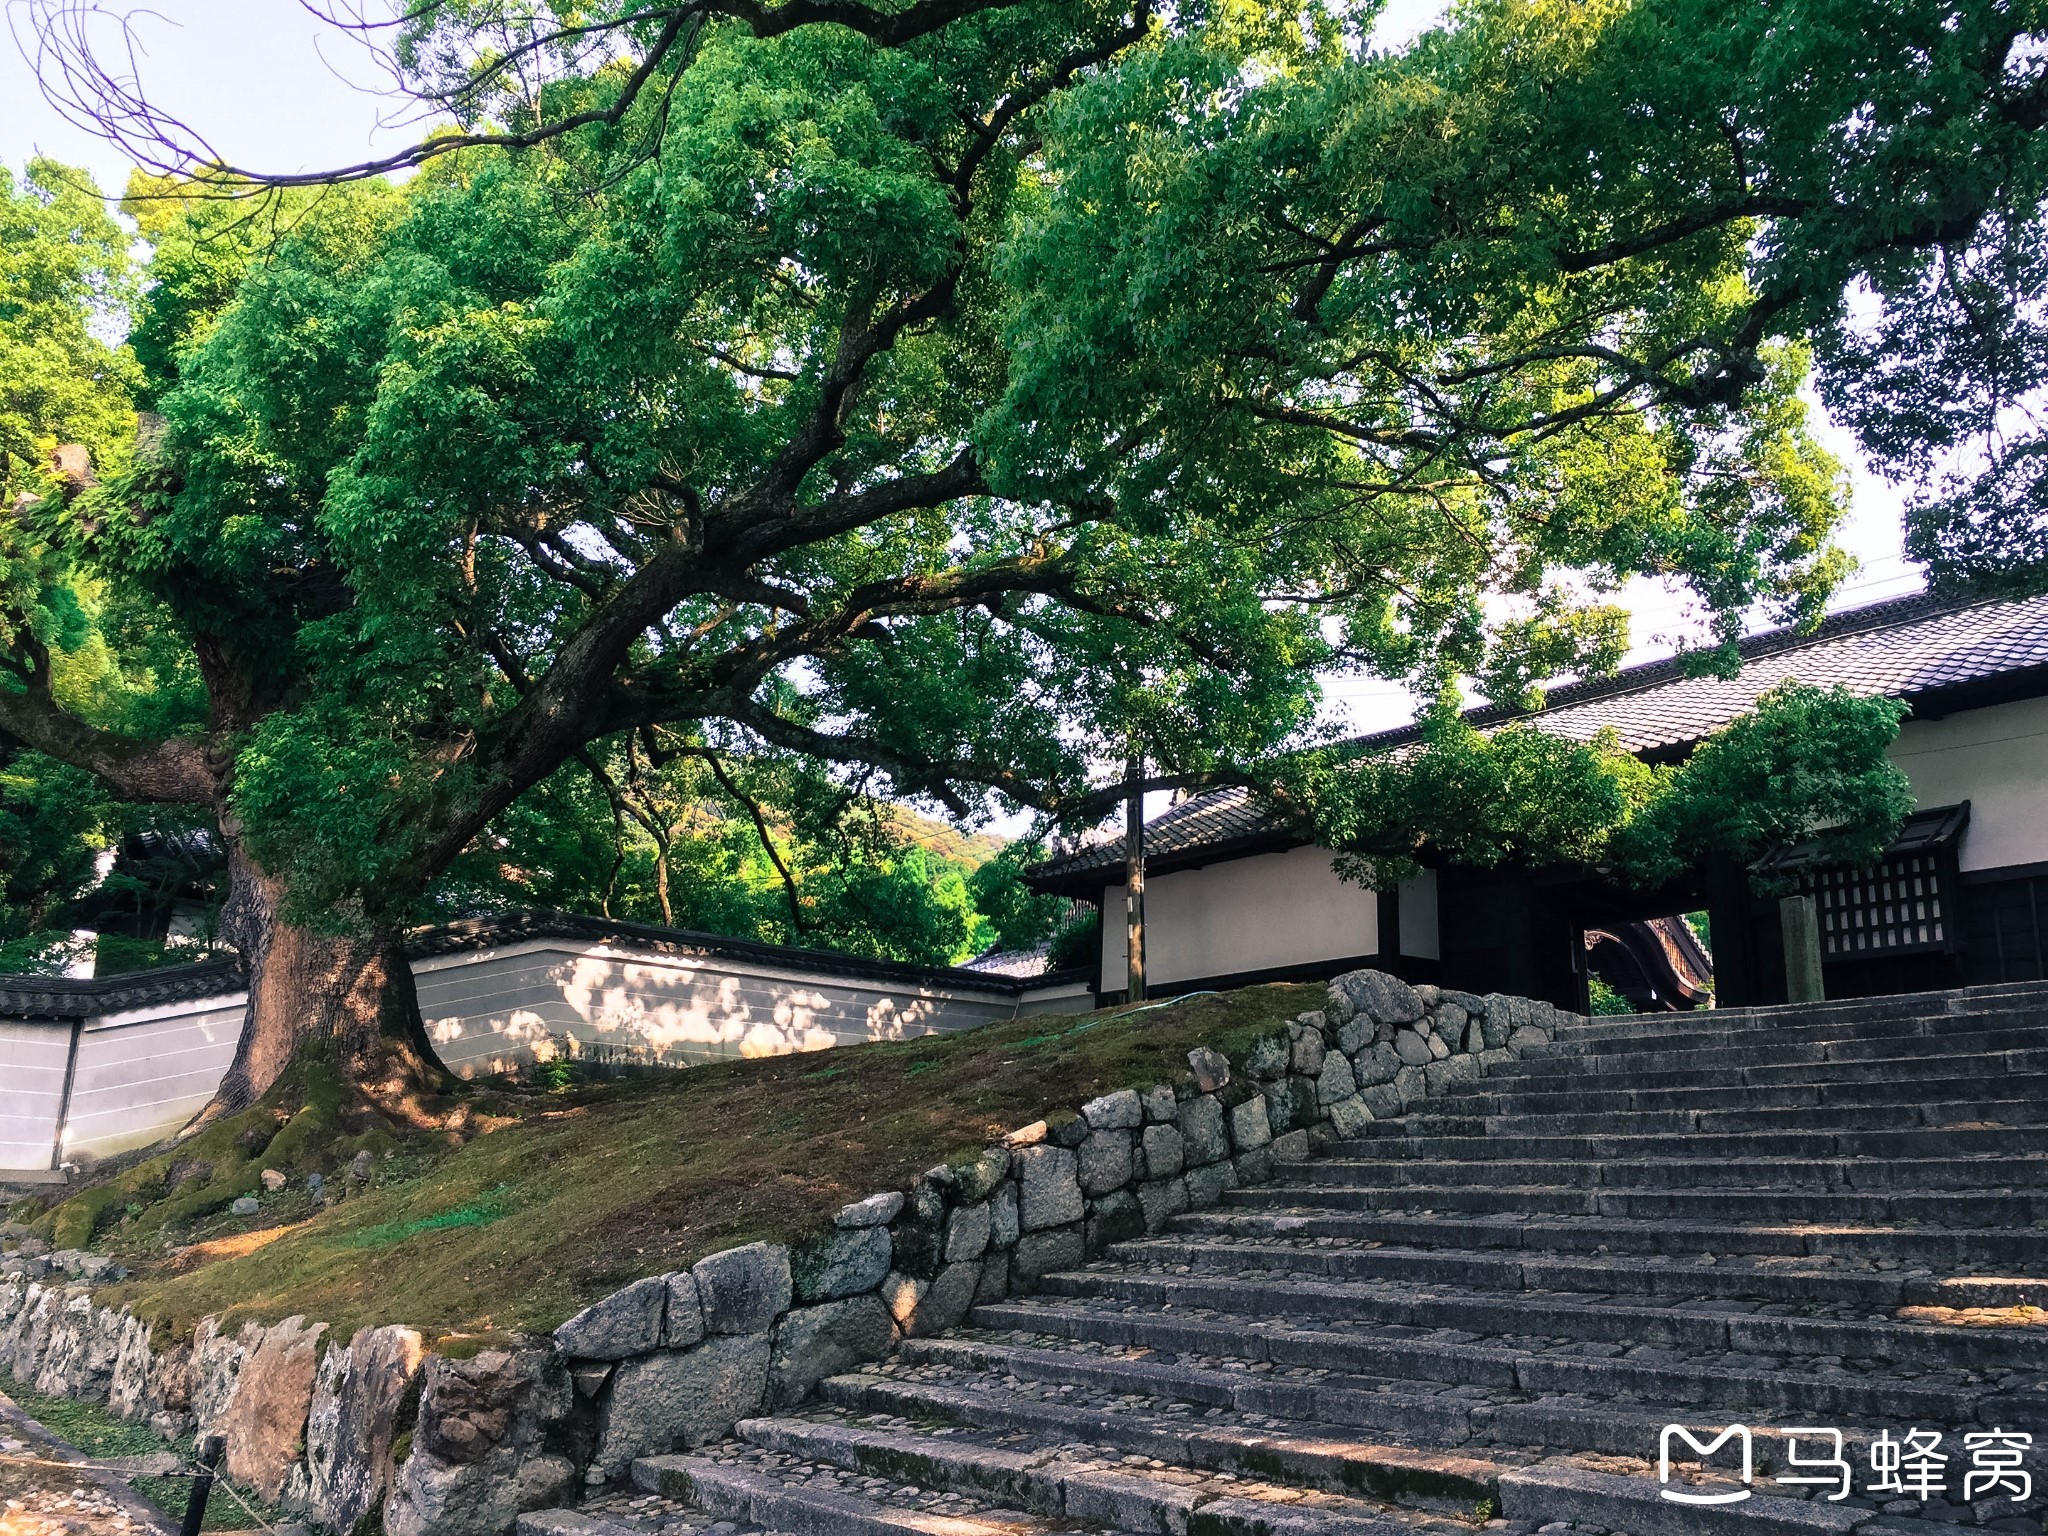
<point x="56" y="997"/>
<point x="1911" y="647"/>
<point x="64" y="997"/>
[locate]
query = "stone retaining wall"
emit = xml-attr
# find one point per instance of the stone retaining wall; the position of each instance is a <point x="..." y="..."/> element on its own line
<point x="673" y="1360"/>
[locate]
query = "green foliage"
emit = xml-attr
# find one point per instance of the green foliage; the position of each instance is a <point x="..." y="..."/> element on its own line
<point x="1077" y="942"/>
<point x="929" y="420"/>
<point x="1805" y="763"/>
<point x="1519" y="794"/>
<point x="1604" y="1001"/>
<point x="1018" y="916"/>
<point x="54" y="820"/>
<point x="670" y="845"/>
<point x="64" y="281"/>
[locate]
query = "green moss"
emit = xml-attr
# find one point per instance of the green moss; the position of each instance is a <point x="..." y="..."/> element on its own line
<point x="603" y="1184"/>
<point x="478" y="1213"/>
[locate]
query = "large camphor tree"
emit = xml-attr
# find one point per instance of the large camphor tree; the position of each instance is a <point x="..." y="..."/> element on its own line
<point x="968" y="393"/>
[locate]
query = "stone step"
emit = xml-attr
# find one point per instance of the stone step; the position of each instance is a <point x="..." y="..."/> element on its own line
<point x="1699" y="1325"/>
<point x="1071" y="1481"/>
<point x="1553" y="1494"/>
<point x="1918" y="1142"/>
<point x="1867" y="1175"/>
<point x="1323" y="1456"/>
<point x="1412" y="1410"/>
<point x="1999" y="997"/>
<point x="1679" y="1278"/>
<point x="570" y="1522"/>
<point x="1643" y="1122"/>
<point x="1708" y="1034"/>
<point x="1455" y="1358"/>
<point x="1886" y="1055"/>
<point x="1469" y="1420"/>
<point x="1943" y="1248"/>
<point x="737" y="1492"/>
<point x="1914" y="1207"/>
<point x="1905" y="1091"/>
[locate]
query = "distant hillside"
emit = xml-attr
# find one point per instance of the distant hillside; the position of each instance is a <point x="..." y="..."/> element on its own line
<point x="972" y="849"/>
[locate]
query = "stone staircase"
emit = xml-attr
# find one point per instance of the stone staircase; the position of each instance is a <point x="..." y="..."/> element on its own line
<point x="1481" y="1315"/>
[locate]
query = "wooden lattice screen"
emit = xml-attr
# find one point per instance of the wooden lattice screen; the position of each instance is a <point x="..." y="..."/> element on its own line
<point x="1901" y="905"/>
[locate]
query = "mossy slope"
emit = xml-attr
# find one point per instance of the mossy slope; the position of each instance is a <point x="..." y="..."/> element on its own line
<point x="521" y="1227"/>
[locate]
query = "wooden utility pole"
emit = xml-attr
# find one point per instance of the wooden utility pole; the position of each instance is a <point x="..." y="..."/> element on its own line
<point x="1134" y="881"/>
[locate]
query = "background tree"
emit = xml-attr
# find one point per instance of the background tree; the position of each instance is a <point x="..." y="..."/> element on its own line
<point x="932" y="394"/>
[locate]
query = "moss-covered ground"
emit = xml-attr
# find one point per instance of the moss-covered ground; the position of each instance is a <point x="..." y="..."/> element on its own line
<point x="572" y="1194"/>
<point x="89" y="1428"/>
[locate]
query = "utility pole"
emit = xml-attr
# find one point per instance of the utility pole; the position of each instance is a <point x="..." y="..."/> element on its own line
<point x="1134" y="880"/>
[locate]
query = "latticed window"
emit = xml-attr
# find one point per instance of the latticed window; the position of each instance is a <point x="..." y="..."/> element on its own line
<point x="1904" y="904"/>
<point x="1896" y="906"/>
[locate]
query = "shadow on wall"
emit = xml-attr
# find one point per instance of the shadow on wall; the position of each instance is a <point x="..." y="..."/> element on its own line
<point x="502" y="1013"/>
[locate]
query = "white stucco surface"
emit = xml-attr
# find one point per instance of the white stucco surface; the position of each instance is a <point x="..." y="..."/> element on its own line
<point x="144" y="1073"/>
<point x="32" y="1058"/>
<point x="1251" y="914"/>
<point x="490" y="1011"/>
<point x="1995" y="758"/>
<point x="141" y="1074"/>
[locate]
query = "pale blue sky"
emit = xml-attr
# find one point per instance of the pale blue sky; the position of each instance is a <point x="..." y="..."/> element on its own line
<point x="274" y="90"/>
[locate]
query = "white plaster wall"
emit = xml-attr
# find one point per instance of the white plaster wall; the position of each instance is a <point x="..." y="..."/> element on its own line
<point x="1068" y="997"/>
<point x="1251" y="914"/>
<point x="143" y="1073"/>
<point x="485" y="1012"/>
<point x="1997" y="759"/>
<point x="32" y="1058"/>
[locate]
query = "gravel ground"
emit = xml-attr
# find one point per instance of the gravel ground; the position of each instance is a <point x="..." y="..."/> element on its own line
<point x="42" y="1500"/>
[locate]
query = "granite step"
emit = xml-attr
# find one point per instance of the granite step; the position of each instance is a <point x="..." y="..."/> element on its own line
<point x="1470" y="1420"/>
<point x="1708" y="1034"/>
<point x="1824" y="1282"/>
<point x="1888" y="1055"/>
<point x="1772" y="1384"/>
<point x="1996" y="998"/>
<point x="1518" y="1482"/>
<point x="790" y="1500"/>
<point x="1912" y="1142"/>
<point x="1062" y="1478"/>
<point x="1979" y="1111"/>
<point x="1327" y="1457"/>
<point x="1700" y="1325"/>
<point x="1907" y="1091"/>
<point x="1942" y="1248"/>
<point x="1866" y="1175"/>
<point x="1901" y="1207"/>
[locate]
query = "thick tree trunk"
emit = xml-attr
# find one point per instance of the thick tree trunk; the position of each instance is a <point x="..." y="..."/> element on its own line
<point x="351" y="993"/>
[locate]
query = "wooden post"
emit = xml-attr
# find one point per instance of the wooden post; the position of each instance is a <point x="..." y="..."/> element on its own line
<point x="1799" y="918"/>
<point x="1134" y="881"/>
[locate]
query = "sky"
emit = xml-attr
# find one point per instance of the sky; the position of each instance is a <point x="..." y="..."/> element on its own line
<point x="273" y="89"/>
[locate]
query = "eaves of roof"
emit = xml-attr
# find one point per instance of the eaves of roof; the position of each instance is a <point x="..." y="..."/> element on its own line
<point x="1939" y="654"/>
<point x="67" y="998"/>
